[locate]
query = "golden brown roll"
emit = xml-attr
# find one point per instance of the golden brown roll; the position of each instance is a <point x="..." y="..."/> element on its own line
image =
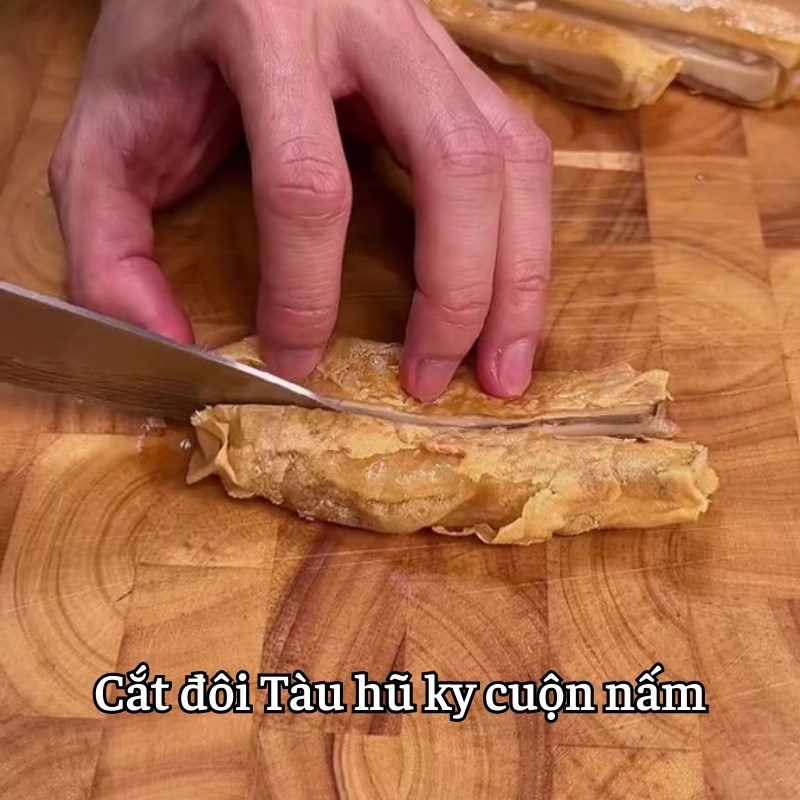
<point x="745" y="51"/>
<point x="615" y="398"/>
<point x="580" y="59"/>
<point x="506" y="484"/>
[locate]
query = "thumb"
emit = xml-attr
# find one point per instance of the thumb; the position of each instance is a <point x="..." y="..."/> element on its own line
<point x="108" y="232"/>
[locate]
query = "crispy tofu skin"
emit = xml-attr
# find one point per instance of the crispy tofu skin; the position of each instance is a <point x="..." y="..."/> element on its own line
<point x="506" y="485"/>
<point x="747" y="26"/>
<point x="619" y="53"/>
<point x="743" y="51"/>
<point x="614" y="398"/>
<point x="585" y="61"/>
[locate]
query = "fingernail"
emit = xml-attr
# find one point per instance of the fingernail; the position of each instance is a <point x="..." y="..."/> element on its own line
<point x="293" y="364"/>
<point x="432" y="377"/>
<point x="514" y="367"/>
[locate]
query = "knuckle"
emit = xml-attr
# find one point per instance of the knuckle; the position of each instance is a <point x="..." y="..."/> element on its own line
<point x="471" y="148"/>
<point x="525" y="142"/>
<point x="529" y="281"/>
<point x="465" y="308"/>
<point x="306" y="182"/>
<point x="313" y="317"/>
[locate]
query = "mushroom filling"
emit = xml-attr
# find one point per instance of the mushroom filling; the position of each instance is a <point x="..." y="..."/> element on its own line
<point x="634" y="423"/>
<point x="708" y="64"/>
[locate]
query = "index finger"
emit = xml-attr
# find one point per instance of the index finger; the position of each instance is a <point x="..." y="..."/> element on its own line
<point x="302" y="194"/>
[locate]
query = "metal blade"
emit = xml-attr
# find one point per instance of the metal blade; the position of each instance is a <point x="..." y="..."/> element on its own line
<point x="48" y="344"/>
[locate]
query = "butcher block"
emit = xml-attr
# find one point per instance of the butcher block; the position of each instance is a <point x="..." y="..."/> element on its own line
<point x="677" y="246"/>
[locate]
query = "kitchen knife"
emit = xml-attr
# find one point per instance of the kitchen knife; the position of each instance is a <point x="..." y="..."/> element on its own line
<point x="48" y="344"/>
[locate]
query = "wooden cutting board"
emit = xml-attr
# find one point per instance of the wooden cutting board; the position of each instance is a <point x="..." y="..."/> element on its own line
<point x="677" y="245"/>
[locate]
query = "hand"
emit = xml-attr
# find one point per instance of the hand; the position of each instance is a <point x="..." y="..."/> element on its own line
<point x="165" y="90"/>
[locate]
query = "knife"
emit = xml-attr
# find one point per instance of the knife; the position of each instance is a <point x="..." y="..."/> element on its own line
<point x="51" y="345"/>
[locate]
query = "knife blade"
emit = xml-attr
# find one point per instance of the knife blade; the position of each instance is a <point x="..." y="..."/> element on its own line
<point x="51" y="345"/>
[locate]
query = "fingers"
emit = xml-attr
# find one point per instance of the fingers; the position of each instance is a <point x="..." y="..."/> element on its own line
<point x="456" y="165"/>
<point x="108" y="232"/>
<point x="515" y="319"/>
<point x="458" y="210"/>
<point x="302" y="195"/>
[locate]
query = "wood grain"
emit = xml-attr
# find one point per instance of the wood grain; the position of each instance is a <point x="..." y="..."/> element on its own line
<point x="677" y="245"/>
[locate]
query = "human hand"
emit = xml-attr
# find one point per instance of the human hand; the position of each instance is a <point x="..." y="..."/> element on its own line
<point x="165" y="91"/>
